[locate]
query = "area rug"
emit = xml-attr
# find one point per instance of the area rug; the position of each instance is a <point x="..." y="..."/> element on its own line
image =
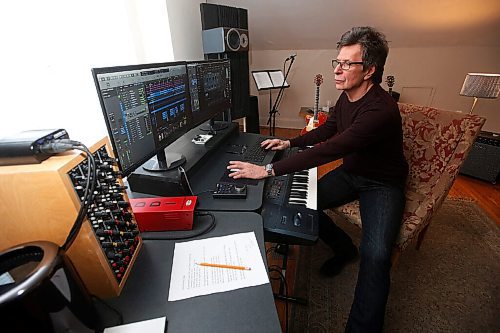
<point x="450" y="285"/>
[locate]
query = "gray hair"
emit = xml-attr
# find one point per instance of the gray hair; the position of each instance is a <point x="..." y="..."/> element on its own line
<point x="373" y="45"/>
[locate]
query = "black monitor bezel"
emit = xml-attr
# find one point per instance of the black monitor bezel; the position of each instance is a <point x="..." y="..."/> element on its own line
<point x="210" y="114"/>
<point x="158" y="149"/>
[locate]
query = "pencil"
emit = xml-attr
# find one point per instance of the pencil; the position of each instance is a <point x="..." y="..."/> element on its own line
<point x="243" y="268"/>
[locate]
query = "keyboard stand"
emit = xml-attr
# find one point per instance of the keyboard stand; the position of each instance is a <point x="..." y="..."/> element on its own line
<point x="283" y="250"/>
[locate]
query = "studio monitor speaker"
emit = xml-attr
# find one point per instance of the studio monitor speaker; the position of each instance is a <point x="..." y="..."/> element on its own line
<point x="225" y="36"/>
<point x="483" y="161"/>
<point x="224" y="39"/>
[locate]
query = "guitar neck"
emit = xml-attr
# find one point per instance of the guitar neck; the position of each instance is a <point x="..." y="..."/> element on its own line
<point x="316" y="104"/>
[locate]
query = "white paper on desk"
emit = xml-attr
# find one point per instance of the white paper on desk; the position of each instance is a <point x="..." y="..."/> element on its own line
<point x="262" y="80"/>
<point x="277" y="78"/>
<point x="190" y="280"/>
<point x="156" y="325"/>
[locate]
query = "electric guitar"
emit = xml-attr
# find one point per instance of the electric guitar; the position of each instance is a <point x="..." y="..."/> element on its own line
<point x="318" y="117"/>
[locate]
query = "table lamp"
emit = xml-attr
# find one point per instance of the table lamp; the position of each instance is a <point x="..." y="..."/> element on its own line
<point x="481" y="85"/>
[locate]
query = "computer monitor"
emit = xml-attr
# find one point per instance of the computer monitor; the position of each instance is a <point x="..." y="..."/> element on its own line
<point x="146" y="108"/>
<point x="210" y="88"/>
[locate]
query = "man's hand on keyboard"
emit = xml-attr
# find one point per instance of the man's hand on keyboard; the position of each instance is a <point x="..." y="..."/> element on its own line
<point x="240" y="169"/>
<point x="275" y="144"/>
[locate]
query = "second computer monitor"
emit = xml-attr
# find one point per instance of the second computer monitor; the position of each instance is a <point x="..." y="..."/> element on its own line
<point x="210" y="89"/>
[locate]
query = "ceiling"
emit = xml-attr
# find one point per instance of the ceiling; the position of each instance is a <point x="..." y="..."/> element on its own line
<point x="318" y="24"/>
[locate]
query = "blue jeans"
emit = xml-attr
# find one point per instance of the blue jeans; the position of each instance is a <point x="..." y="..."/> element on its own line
<point x="381" y="207"/>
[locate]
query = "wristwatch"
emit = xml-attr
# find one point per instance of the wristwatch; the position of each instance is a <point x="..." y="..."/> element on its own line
<point x="269" y="169"/>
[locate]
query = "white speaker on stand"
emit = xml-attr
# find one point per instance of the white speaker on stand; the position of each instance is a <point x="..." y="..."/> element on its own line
<point x="224" y="39"/>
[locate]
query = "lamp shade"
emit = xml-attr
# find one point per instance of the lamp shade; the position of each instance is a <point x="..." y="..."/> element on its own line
<point x="481" y="85"/>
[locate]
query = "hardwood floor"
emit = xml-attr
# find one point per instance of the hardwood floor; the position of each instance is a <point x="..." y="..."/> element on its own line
<point x="485" y="194"/>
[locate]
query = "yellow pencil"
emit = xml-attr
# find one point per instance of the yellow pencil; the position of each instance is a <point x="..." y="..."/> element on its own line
<point x="243" y="268"/>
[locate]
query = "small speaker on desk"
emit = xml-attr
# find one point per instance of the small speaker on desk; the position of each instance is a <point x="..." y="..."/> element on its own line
<point x="483" y="161"/>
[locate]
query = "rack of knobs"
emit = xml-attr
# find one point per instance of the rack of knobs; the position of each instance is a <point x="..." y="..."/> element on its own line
<point x="41" y="202"/>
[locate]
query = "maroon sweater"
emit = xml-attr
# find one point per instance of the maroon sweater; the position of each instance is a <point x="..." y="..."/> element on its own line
<point x="366" y="133"/>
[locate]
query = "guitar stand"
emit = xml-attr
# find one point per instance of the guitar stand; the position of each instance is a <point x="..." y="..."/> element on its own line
<point x="283" y="250"/>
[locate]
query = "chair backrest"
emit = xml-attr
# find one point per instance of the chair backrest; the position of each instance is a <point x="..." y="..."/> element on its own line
<point x="436" y="143"/>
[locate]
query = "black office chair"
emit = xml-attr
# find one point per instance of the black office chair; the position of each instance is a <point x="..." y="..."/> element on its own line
<point x="41" y="292"/>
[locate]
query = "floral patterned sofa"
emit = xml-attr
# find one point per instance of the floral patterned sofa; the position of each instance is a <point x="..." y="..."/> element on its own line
<point x="436" y="143"/>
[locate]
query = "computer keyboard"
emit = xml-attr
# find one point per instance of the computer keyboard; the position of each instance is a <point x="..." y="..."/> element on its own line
<point x="255" y="153"/>
<point x="252" y="153"/>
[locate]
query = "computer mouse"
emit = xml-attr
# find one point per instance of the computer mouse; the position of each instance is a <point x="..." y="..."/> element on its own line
<point x="297" y="219"/>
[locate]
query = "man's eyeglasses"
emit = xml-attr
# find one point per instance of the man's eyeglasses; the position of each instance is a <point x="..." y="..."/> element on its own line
<point x="345" y="65"/>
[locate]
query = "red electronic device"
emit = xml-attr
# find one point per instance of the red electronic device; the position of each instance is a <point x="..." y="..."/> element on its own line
<point x="164" y="214"/>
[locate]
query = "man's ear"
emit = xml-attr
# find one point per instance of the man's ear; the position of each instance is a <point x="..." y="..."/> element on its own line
<point x="369" y="72"/>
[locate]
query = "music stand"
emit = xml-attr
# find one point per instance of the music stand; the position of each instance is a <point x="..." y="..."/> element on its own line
<point x="269" y="80"/>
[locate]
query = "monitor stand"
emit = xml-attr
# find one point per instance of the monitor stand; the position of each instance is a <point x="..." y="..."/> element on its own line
<point x="168" y="183"/>
<point x="164" y="162"/>
<point x="212" y="127"/>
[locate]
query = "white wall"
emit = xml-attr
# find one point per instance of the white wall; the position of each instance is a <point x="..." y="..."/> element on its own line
<point x="185" y="27"/>
<point x="49" y="48"/>
<point x="442" y="69"/>
<point x="301" y="79"/>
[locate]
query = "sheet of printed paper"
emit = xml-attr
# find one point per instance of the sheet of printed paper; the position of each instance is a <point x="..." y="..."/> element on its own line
<point x="278" y="78"/>
<point x="156" y="325"/>
<point x="262" y="80"/>
<point x="188" y="279"/>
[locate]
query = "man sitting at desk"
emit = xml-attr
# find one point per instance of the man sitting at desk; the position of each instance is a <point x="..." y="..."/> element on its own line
<point x="365" y="130"/>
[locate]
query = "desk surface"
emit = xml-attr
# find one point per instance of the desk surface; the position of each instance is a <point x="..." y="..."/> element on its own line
<point x="243" y="310"/>
<point x="205" y="177"/>
<point x="206" y="165"/>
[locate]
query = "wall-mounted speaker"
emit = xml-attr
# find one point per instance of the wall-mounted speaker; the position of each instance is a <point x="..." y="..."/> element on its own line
<point x="483" y="161"/>
<point x="224" y="39"/>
